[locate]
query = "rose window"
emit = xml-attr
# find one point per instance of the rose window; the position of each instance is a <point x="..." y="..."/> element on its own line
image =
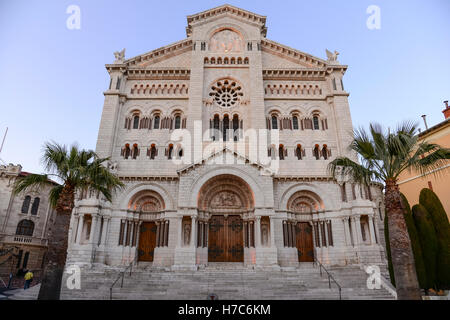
<point x="226" y="93"/>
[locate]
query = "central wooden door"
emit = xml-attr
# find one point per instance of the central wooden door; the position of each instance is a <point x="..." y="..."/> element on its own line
<point x="305" y="246"/>
<point x="226" y="239"/>
<point x="147" y="241"/>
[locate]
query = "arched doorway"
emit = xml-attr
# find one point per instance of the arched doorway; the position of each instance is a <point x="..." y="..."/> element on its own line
<point x="302" y="205"/>
<point x="226" y="200"/>
<point x="148" y="204"/>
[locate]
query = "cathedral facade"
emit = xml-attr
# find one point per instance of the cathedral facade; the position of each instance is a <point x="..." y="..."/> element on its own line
<point x="223" y="141"/>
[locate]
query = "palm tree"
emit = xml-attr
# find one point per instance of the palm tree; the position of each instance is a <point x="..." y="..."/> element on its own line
<point x="77" y="170"/>
<point x="383" y="156"/>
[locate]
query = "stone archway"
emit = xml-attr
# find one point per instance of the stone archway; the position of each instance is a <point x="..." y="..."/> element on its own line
<point x="147" y="204"/>
<point x="225" y="200"/>
<point x="302" y="205"/>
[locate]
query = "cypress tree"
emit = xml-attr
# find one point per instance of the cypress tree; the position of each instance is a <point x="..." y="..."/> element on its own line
<point x="441" y="224"/>
<point x="415" y="245"/>
<point x="388" y="249"/>
<point x="428" y="241"/>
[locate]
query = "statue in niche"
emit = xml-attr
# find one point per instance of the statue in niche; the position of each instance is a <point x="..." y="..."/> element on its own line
<point x="264" y="234"/>
<point x="187" y="233"/>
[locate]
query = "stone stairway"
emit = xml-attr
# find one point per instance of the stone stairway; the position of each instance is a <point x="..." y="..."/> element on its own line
<point x="227" y="282"/>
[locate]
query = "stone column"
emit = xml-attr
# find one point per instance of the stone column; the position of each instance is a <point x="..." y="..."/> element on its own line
<point x="104" y="230"/>
<point x="93" y="233"/>
<point x="325" y="229"/>
<point x="193" y="231"/>
<point x="348" y="238"/>
<point x="272" y="232"/>
<point x="80" y="227"/>
<point x="357" y="224"/>
<point x="158" y="231"/>
<point x="319" y="230"/>
<point x="258" y="232"/>
<point x="180" y="232"/>
<point x="371" y="231"/>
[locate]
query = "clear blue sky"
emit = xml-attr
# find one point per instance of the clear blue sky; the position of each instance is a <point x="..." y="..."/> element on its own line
<point x="52" y="78"/>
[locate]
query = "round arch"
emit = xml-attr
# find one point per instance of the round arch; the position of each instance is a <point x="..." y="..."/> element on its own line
<point x="225" y="193"/>
<point x="151" y="189"/>
<point x="258" y="194"/>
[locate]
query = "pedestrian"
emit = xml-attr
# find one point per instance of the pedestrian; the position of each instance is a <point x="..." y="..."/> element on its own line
<point x="28" y="278"/>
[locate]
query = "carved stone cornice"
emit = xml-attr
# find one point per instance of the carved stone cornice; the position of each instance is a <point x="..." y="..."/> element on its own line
<point x="158" y="74"/>
<point x="311" y="74"/>
<point x="130" y="178"/>
<point x="163" y="52"/>
<point x="302" y="178"/>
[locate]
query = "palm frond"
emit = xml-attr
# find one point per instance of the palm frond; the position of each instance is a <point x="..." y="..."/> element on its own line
<point x="31" y="182"/>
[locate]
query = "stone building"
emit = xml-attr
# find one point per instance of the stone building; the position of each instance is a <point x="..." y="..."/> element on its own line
<point x="223" y="140"/>
<point x="24" y="222"/>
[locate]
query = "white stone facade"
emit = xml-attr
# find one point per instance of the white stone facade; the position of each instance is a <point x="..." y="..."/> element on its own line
<point x="226" y="73"/>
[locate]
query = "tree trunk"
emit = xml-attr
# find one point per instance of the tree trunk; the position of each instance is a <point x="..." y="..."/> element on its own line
<point x="407" y="285"/>
<point x="57" y="247"/>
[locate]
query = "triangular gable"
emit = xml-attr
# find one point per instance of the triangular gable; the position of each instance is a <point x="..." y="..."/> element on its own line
<point x="292" y="55"/>
<point x="243" y="159"/>
<point x="226" y="9"/>
<point x="158" y="55"/>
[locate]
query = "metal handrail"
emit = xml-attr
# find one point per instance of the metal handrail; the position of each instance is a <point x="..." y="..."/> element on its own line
<point x="330" y="277"/>
<point x="122" y="275"/>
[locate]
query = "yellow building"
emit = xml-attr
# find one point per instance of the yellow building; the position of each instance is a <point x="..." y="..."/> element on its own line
<point x="411" y="183"/>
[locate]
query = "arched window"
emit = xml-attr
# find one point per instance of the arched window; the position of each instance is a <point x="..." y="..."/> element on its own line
<point x="343" y="193"/>
<point x="177" y="122"/>
<point x="25" y="228"/>
<point x="316" y="152"/>
<point x="35" y="206"/>
<point x="316" y="122"/>
<point x="135" y="151"/>
<point x="295" y="122"/>
<point x="127" y="151"/>
<point x="216" y="128"/>
<point x="26" y="204"/>
<point x="136" y="122"/>
<point x="281" y="152"/>
<point x="156" y="122"/>
<point x="274" y="122"/>
<point x="153" y="152"/>
<point x="235" y="127"/>
<point x="226" y="126"/>
<point x="298" y="152"/>
<point x="325" y="152"/>
<point x="169" y="152"/>
<point x="180" y="153"/>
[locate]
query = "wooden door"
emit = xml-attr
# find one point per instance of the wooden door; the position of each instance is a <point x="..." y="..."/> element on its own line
<point x="305" y="247"/>
<point x="226" y="239"/>
<point x="147" y="241"/>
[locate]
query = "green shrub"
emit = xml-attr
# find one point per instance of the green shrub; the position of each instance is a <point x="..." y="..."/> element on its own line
<point x="428" y="241"/>
<point x="440" y="221"/>
<point x="415" y="245"/>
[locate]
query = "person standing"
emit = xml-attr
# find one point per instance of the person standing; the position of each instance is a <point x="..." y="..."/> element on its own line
<point x="28" y="278"/>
